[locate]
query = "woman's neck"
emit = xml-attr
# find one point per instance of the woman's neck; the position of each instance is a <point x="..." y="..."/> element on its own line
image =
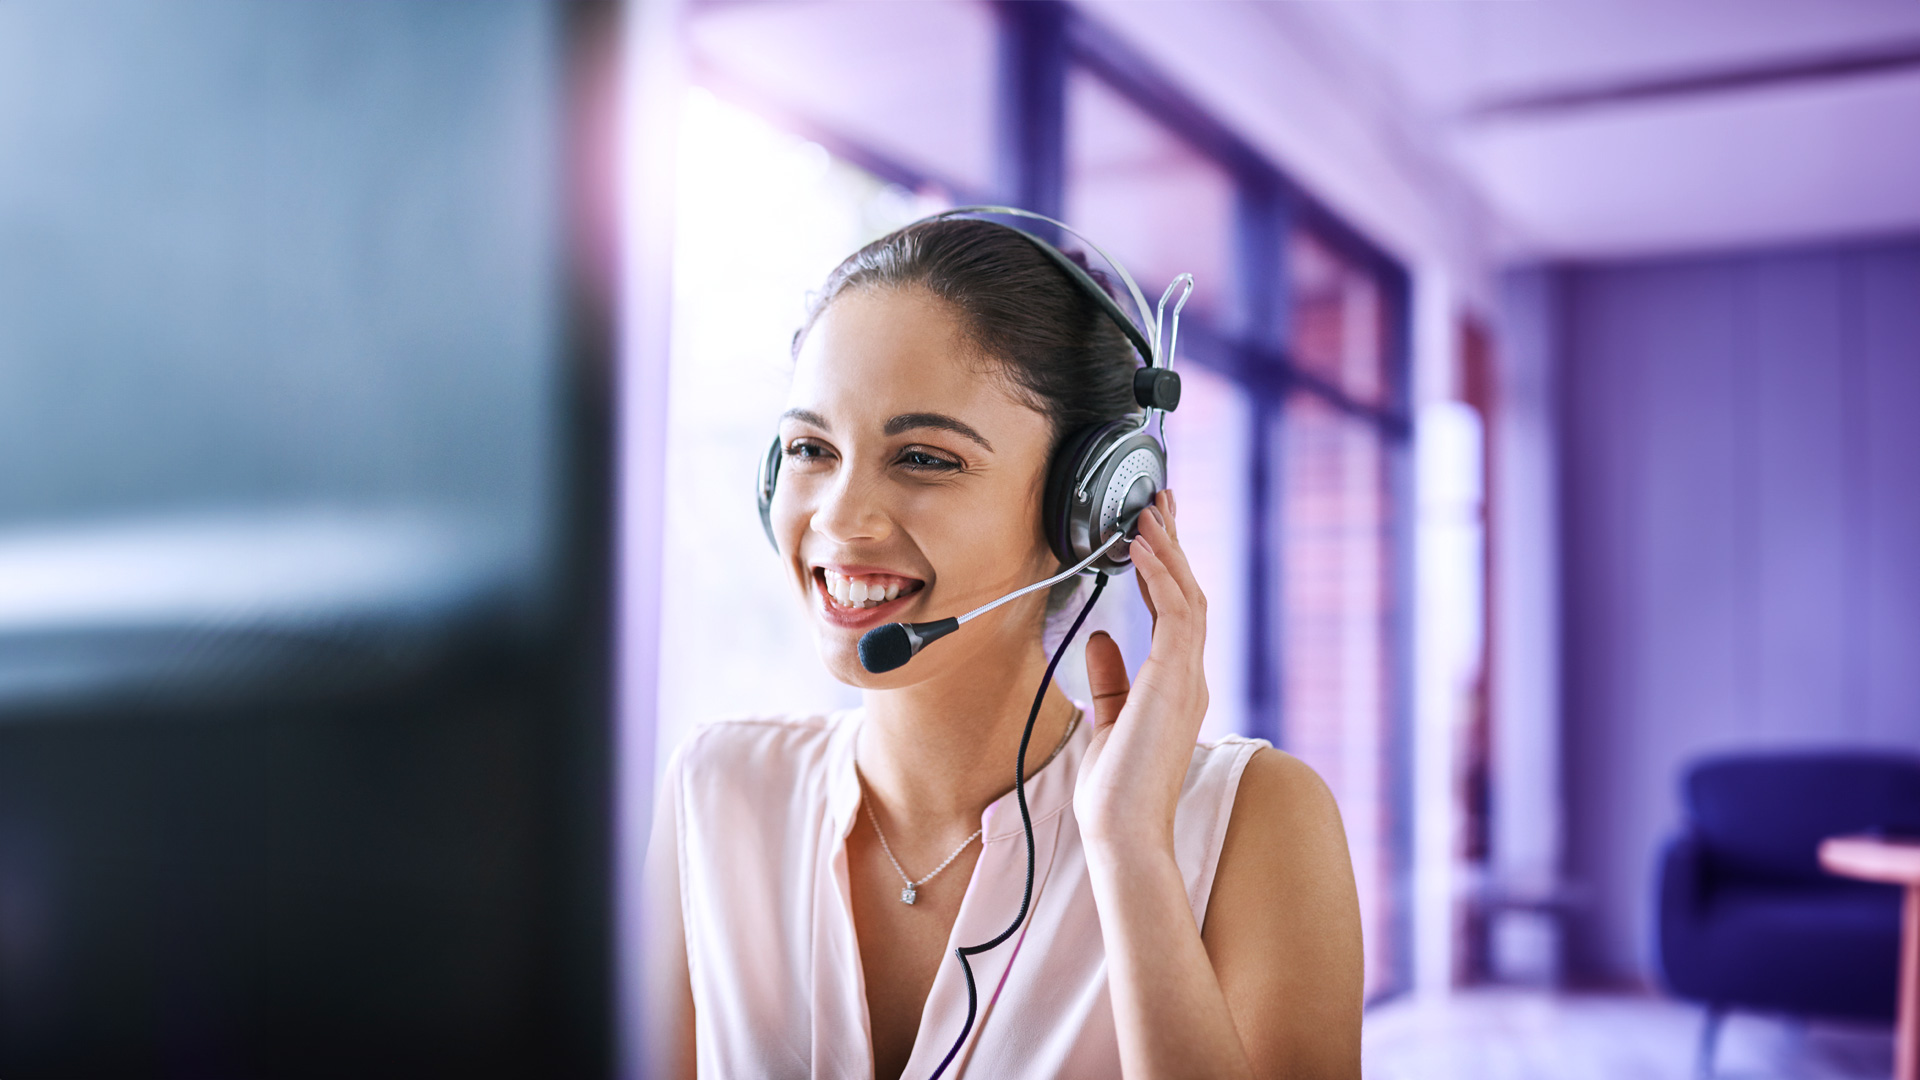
<point x="938" y="753"/>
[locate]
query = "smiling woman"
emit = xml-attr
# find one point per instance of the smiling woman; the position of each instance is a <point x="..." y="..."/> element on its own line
<point x="963" y="504"/>
<point x="1185" y="906"/>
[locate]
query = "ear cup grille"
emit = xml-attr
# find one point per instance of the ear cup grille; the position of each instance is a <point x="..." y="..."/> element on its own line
<point x="1119" y="466"/>
<point x="1129" y="490"/>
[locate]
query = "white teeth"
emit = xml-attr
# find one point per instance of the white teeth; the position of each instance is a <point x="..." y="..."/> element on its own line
<point x="857" y="593"/>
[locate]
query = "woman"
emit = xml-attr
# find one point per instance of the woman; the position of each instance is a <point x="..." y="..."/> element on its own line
<point x="1193" y="907"/>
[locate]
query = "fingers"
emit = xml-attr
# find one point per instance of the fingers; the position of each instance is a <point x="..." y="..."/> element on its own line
<point x="1163" y="501"/>
<point x="1175" y="658"/>
<point x="1156" y="581"/>
<point x="1106" y="678"/>
<point x="1166" y="578"/>
<point x="1140" y="580"/>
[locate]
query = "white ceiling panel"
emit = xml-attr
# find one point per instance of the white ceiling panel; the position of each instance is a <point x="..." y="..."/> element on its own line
<point x="1834" y="160"/>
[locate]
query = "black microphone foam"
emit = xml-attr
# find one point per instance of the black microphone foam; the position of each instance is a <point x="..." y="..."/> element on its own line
<point x="887" y="647"/>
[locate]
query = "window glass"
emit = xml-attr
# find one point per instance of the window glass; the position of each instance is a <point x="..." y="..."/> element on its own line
<point x="1338" y="634"/>
<point x="1146" y="197"/>
<point x="762" y="217"/>
<point x="1339" y="321"/>
<point x="913" y="82"/>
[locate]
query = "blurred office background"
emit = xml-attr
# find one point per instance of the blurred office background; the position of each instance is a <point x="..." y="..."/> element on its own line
<point x="381" y="386"/>
<point x="1552" y="370"/>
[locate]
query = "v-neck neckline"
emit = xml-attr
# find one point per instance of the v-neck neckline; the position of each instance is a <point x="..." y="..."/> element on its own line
<point x="1049" y="795"/>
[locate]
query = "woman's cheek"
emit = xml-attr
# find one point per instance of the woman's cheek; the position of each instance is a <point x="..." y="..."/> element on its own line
<point x="790" y="515"/>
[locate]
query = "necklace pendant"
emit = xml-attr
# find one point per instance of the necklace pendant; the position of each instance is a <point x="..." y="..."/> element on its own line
<point x="906" y="895"/>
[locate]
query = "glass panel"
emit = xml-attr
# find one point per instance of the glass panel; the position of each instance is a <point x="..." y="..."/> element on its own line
<point x="1339" y="321"/>
<point x="914" y="82"/>
<point x="1146" y="197"/>
<point x="762" y="217"/>
<point x="1338" y="684"/>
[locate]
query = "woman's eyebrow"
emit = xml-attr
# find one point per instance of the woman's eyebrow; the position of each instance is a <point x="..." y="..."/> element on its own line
<point x="912" y="420"/>
<point x="807" y="416"/>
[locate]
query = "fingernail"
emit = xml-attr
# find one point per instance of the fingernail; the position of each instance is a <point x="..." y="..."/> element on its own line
<point x="1158" y="516"/>
<point x="1173" y="505"/>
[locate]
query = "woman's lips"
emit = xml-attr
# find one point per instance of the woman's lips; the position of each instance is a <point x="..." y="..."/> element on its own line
<point x="861" y="599"/>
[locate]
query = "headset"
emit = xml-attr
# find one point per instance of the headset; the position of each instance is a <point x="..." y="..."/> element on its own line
<point x="1101" y="477"/>
<point x="1098" y="483"/>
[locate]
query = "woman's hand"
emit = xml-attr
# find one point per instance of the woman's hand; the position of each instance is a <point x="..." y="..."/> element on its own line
<point x="1143" y="735"/>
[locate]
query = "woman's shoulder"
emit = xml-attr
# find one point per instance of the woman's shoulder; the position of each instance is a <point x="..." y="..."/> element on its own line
<point x="1270" y="784"/>
<point x="1221" y="763"/>
<point x="1237" y="785"/>
<point x="1285" y="822"/>
<point x="757" y="752"/>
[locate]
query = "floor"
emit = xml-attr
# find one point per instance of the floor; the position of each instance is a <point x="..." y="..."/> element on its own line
<point x="1502" y="1034"/>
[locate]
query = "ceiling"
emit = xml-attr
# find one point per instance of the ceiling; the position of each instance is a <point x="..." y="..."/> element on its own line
<point x="1488" y="130"/>
<point x="1599" y="128"/>
<point x="914" y="82"/>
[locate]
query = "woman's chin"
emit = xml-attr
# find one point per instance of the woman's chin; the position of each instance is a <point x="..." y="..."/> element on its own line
<point x="840" y="655"/>
<point x="837" y="630"/>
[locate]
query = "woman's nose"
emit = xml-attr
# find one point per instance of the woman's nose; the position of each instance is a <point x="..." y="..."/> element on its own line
<point x="850" y="511"/>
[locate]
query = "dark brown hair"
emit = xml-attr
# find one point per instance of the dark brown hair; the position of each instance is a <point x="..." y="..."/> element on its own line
<point x="1016" y="306"/>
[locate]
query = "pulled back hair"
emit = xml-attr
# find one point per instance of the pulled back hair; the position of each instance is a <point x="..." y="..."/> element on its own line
<point x="1016" y="307"/>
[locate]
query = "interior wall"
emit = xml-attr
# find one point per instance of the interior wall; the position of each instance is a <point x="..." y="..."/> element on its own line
<point x="1740" y="517"/>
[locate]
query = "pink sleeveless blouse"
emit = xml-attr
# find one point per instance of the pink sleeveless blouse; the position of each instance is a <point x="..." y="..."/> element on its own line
<point x="760" y="813"/>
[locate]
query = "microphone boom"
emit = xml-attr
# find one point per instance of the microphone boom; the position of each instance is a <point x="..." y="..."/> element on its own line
<point x="884" y="648"/>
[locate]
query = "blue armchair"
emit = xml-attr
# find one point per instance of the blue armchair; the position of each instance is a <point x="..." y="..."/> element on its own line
<point x="1747" y="918"/>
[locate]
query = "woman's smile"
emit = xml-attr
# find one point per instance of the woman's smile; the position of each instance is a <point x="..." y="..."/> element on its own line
<point x="856" y="597"/>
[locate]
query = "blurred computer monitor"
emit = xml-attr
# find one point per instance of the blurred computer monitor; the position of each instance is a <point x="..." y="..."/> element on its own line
<point x="303" y="722"/>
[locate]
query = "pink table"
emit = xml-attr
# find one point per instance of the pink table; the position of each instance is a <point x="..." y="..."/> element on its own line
<point x="1895" y="862"/>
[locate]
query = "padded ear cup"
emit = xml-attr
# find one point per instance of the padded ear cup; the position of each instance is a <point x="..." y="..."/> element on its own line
<point x="769" y="475"/>
<point x="1103" y="477"/>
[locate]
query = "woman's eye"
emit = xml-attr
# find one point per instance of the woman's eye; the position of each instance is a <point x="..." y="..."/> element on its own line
<point x="920" y="460"/>
<point x="805" y="451"/>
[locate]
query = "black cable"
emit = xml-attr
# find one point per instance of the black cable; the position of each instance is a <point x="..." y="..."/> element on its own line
<point x="1026" y="826"/>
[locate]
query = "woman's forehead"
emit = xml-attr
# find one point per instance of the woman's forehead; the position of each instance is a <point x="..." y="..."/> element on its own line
<point x="881" y="353"/>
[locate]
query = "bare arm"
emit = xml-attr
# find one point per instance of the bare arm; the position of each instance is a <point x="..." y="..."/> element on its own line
<point x="1169" y="1009"/>
<point x="1283" y="925"/>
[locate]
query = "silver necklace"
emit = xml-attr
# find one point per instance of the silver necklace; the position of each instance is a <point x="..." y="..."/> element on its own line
<point x="907" y="894"/>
